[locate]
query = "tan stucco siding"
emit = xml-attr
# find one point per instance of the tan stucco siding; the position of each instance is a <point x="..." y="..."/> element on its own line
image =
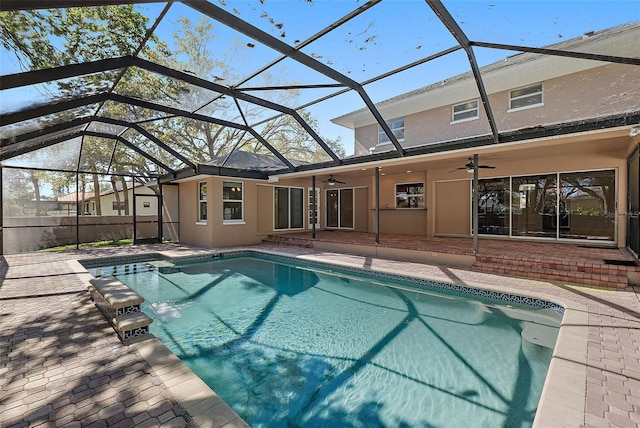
<point x="452" y="207"/>
<point x="361" y="210"/>
<point x="193" y="232"/>
<point x="602" y="91"/>
<point x="233" y="234"/>
<point x="452" y="201"/>
<point x="392" y="220"/>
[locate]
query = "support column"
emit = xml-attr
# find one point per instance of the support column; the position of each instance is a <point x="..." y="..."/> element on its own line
<point x="1" y="215"/>
<point x="160" y="228"/>
<point x="314" y="208"/>
<point x="78" y="210"/>
<point x="474" y="192"/>
<point x="133" y="195"/>
<point x="377" y="208"/>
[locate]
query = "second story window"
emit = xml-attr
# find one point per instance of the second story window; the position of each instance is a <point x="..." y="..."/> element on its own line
<point x="464" y="111"/>
<point x="529" y="96"/>
<point x="396" y="126"/>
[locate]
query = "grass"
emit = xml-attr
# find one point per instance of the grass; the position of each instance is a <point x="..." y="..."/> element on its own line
<point x="98" y="244"/>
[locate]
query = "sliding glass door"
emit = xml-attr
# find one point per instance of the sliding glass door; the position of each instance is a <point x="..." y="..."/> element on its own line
<point x="571" y="205"/>
<point x="340" y="208"/>
<point x="533" y="206"/>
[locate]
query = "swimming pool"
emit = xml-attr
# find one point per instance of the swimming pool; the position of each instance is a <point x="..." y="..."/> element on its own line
<point x="292" y="345"/>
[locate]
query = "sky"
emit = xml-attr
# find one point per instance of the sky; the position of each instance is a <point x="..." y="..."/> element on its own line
<point x="387" y="36"/>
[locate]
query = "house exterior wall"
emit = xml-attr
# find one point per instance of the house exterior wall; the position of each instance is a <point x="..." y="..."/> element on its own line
<point x="601" y="91"/>
<point x="451" y="200"/>
<point x="192" y="231"/>
<point x="215" y="232"/>
<point x="392" y="220"/>
<point x="108" y="199"/>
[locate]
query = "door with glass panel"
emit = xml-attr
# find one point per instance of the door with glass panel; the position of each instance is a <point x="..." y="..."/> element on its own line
<point x="288" y="208"/>
<point x="534" y="206"/>
<point x="340" y="208"/>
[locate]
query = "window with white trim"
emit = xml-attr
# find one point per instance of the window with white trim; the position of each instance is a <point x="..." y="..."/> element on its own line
<point x="526" y="97"/>
<point x="288" y="207"/>
<point x="465" y="111"/>
<point x="232" y="202"/>
<point x="202" y="202"/>
<point x="397" y="128"/>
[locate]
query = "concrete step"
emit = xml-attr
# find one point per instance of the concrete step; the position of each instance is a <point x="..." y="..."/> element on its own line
<point x="590" y="275"/>
<point x="287" y="240"/>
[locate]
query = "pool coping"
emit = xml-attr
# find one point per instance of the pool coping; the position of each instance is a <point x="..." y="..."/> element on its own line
<point x="563" y="397"/>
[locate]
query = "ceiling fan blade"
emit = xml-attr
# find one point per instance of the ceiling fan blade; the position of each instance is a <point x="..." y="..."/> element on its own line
<point x="486" y="166"/>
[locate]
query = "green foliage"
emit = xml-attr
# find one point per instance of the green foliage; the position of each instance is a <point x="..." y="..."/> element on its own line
<point x="54" y="37"/>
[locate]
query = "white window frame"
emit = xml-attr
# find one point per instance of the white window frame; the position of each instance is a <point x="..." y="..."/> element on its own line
<point x="466" y="119"/>
<point x="534" y="94"/>
<point x="310" y="207"/>
<point x="397" y="194"/>
<point x="289" y="188"/>
<point x="234" y="184"/>
<point x="393" y="126"/>
<point x="200" y="201"/>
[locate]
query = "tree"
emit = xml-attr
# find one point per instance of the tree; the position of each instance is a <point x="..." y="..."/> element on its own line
<point x="204" y="141"/>
<point x="56" y="37"/>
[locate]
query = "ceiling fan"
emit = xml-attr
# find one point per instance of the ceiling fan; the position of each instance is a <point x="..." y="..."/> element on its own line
<point x="469" y="166"/>
<point x="332" y="181"/>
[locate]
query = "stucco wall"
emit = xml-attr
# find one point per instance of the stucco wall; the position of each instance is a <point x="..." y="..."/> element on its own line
<point x="215" y="232"/>
<point x="452" y="207"/>
<point x="392" y="220"/>
<point x="602" y="91"/>
<point x="193" y="232"/>
<point x="451" y="200"/>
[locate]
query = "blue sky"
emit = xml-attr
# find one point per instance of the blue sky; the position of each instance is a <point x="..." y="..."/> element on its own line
<point x="390" y="34"/>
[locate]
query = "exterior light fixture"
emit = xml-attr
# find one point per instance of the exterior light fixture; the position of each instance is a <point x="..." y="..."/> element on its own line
<point x="634" y="131"/>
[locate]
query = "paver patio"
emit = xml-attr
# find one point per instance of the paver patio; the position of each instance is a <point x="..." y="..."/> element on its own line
<point x="62" y="364"/>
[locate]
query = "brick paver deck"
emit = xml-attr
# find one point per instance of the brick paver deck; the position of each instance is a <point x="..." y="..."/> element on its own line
<point x="61" y="364"/>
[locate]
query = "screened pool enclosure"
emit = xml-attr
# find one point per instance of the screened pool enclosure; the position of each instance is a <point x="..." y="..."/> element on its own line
<point x="105" y="105"/>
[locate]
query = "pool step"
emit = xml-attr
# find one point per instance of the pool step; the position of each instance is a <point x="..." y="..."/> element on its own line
<point x="583" y="273"/>
<point x="287" y="240"/>
<point x="121" y="307"/>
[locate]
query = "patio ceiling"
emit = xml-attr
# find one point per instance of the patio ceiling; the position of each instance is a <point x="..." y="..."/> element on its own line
<point x="196" y="83"/>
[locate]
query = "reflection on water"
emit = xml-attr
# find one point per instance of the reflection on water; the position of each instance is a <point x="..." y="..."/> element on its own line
<point x="289" y="346"/>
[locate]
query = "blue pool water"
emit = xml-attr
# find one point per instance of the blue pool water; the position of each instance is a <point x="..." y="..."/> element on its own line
<point x="286" y="345"/>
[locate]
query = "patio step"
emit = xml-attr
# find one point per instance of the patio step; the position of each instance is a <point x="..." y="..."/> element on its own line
<point x="287" y="240"/>
<point x="576" y="272"/>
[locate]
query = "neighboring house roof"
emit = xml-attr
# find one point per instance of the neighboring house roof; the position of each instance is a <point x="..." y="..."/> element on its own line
<point x="71" y="197"/>
<point x="251" y="161"/>
<point x="512" y="72"/>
